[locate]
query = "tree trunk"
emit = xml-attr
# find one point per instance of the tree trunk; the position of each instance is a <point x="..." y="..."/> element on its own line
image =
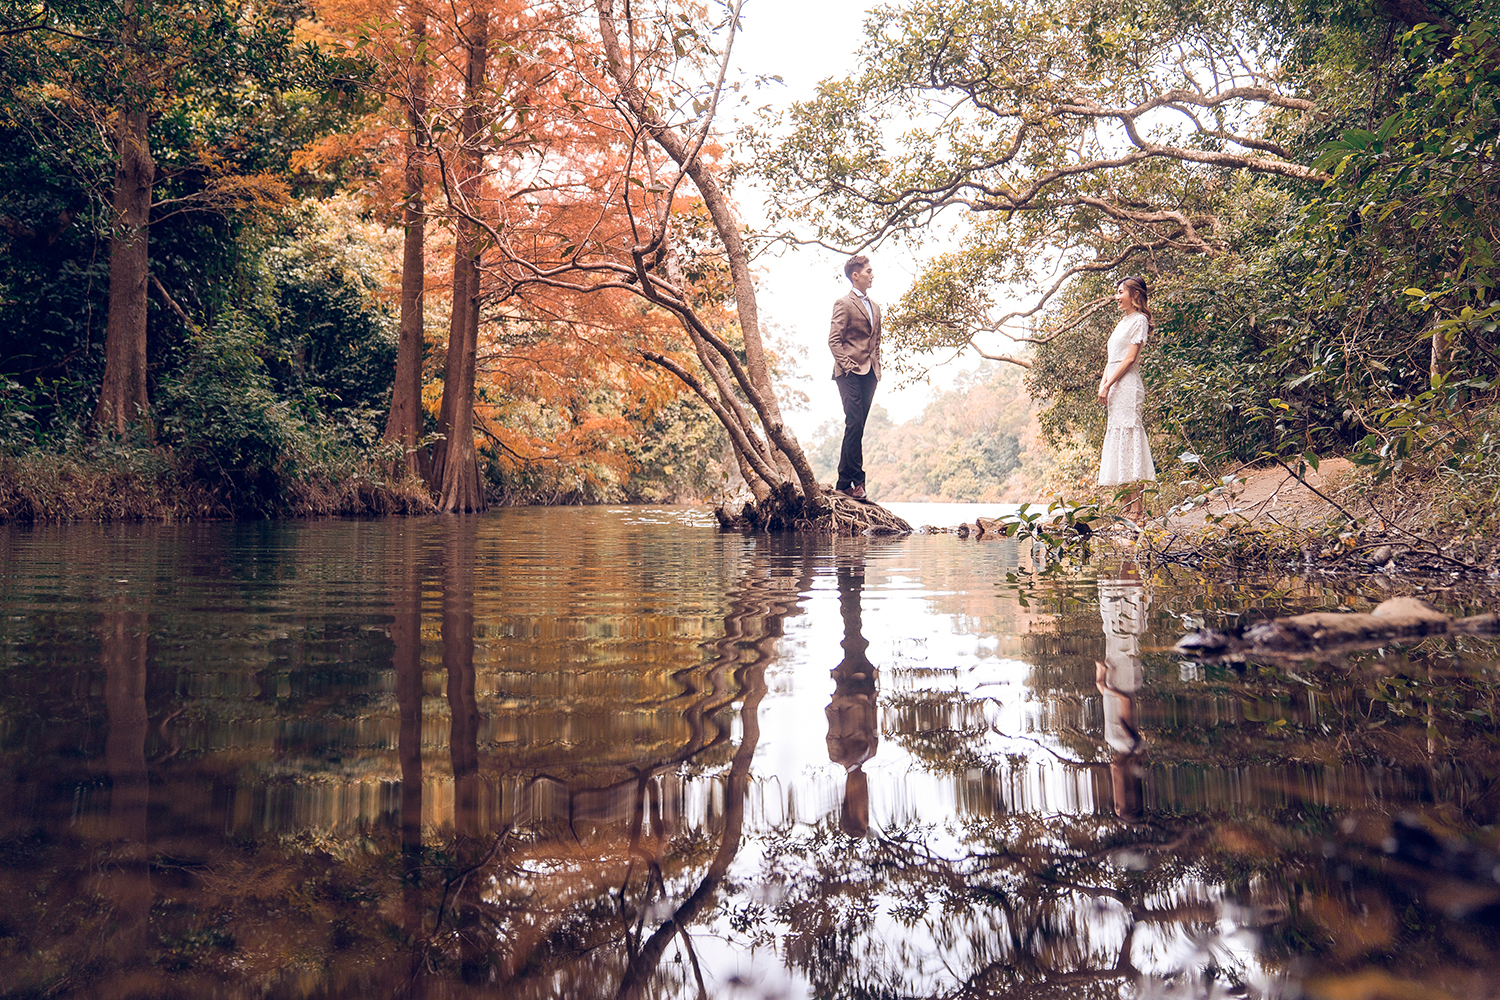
<point x="727" y="227"/>
<point x="456" y="468"/>
<point x="404" y="425"/>
<point x="1438" y="361"/>
<point x="122" y="396"/>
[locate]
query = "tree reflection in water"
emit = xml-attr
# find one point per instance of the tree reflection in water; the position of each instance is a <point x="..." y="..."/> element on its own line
<point x="586" y="887"/>
<point x="125" y="878"/>
<point x="518" y="774"/>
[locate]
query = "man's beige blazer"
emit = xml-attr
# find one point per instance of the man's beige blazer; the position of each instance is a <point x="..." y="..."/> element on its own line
<point x="853" y="339"/>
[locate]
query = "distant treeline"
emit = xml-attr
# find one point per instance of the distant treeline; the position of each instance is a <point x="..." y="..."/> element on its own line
<point x="976" y="441"/>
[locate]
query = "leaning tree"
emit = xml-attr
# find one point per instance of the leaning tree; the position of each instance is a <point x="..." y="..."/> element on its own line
<point x="1076" y="138"/>
<point x="659" y="225"/>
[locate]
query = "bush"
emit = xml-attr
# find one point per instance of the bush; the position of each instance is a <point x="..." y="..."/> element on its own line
<point x="224" y="421"/>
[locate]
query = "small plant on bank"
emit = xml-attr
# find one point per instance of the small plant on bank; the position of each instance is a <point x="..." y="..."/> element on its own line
<point x="1060" y="525"/>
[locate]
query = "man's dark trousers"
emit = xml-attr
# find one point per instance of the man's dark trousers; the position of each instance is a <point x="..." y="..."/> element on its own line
<point x="857" y="393"/>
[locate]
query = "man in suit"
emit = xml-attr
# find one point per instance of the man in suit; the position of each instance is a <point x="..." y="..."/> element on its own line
<point x="854" y="339"/>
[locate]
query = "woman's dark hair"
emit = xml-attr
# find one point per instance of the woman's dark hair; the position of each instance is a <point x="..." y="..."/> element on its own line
<point x="1136" y="286"/>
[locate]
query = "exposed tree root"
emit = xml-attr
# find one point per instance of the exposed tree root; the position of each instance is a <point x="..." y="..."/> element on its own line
<point x="787" y="510"/>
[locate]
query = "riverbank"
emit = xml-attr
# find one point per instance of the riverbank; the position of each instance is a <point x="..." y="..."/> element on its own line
<point x="145" y="485"/>
<point x="1330" y="520"/>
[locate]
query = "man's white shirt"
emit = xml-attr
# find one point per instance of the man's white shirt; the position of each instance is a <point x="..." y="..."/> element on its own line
<point x="864" y="300"/>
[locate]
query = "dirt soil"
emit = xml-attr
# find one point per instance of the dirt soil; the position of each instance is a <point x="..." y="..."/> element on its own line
<point x="1275" y="518"/>
<point x="1272" y="496"/>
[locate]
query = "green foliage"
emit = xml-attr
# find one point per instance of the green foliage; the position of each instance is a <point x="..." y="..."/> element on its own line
<point x="289" y="384"/>
<point x="1322" y="268"/>
<point x="334" y="339"/>
<point x="1411" y="216"/>
<point x="1417" y="196"/>
<point x="224" y="419"/>
<point x="232" y="96"/>
<point x="680" y="452"/>
<point x="1060" y="527"/>
<point x="53" y="275"/>
<point x="606" y="445"/>
<point x="282" y="392"/>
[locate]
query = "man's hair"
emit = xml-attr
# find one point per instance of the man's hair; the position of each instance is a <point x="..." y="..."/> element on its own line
<point x="854" y="264"/>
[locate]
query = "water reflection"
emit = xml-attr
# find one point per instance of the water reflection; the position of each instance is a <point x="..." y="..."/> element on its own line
<point x="126" y="880"/>
<point x="853" y="725"/>
<point x="593" y="754"/>
<point x="1122" y="606"/>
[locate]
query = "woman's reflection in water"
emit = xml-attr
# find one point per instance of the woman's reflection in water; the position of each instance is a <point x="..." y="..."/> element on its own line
<point x="853" y="732"/>
<point x="1122" y="606"/>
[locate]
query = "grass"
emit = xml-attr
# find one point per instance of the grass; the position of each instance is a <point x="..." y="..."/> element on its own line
<point x="144" y="484"/>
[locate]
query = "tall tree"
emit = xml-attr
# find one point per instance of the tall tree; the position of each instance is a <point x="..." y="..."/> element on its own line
<point x="455" y="472"/>
<point x="122" y="396"/>
<point x="133" y="68"/>
<point x="628" y="67"/>
<point x="404" y="425"/>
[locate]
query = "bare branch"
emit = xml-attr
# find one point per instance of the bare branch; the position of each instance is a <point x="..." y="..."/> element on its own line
<point x="1008" y="358"/>
<point x="751" y="454"/>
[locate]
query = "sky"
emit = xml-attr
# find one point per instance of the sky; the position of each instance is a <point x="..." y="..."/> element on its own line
<point x="803" y="42"/>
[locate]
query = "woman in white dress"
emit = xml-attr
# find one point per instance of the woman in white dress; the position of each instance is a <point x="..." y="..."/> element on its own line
<point x="1126" y="457"/>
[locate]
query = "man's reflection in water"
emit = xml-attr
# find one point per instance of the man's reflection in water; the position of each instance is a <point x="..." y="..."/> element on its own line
<point x="853" y="731"/>
<point x="1122" y="606"/>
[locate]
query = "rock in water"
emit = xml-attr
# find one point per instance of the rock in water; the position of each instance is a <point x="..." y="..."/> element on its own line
<point x="1323" y="631"/>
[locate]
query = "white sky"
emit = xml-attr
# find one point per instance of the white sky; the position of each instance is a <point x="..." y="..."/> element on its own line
<point x="803" y="42"/>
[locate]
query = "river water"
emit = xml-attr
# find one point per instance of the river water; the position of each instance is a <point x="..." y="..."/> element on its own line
<point x="598" y="752"/>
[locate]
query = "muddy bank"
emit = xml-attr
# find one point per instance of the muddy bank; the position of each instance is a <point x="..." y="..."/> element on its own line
<point x="1325" y="520"/>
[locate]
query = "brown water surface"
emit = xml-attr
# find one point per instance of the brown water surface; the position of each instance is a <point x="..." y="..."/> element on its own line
<point x="609" y="752"/>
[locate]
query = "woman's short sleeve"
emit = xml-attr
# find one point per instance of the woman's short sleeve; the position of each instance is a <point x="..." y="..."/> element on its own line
<point x="1142" y="325"/>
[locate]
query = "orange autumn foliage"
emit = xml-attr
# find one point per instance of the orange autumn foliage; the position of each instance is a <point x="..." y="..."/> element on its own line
<point x="559" y="388"/>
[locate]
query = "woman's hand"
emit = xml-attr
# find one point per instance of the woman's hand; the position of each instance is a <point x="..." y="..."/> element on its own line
<point x="1104" y="392"/>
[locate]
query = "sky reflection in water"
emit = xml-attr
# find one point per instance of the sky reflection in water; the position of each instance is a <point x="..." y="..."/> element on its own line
<point x="611" y="752"/>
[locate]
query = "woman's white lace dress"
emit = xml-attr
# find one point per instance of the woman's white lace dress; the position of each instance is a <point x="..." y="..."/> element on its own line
<point x="1126" y="457"/>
